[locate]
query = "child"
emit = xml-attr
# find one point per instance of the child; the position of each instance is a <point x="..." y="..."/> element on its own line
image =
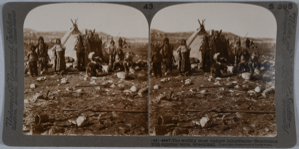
<point x="32" y="59"/>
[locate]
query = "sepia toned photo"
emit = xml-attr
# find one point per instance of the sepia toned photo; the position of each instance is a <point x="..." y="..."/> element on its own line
<point x="85" y="70"/>
<point x="213" y="71"/>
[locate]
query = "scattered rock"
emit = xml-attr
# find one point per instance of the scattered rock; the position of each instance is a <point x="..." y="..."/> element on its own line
<point x="36" y="97"/>
<point x="32" y="86"/>
<point x="188" y="81"/>
<point x="63" y="81"/>
<point x="112" y="86"/>
<point x="137" y="68"/>
<point x="79" y="90"/>
<point x="69" y="89"/>
<point x="218" y="78"/>
<point x="122" y="75"/>
<point x="164" y="80"/>
<point x="133" y="89"/>
<point x="93" y="82"/>
<point x="203" y="91"/>
<point x="246" y="75"/>
<point x="217" y="83"/>
<point x="39" y="79"/>
<point x="156" y="87"/>
<point x="203" y="121"/>
<point x="257" y="89"/>
<point x="80" y="120"/>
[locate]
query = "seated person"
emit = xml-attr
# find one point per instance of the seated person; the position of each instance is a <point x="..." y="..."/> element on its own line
<point x="219" y="68"/>
<point x="94" y="66"/>
<point x="119" y="58"/>
<point x="243" y="65"/>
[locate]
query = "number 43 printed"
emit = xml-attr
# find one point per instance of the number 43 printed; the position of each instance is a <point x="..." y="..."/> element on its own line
<point x="148" y="6"/>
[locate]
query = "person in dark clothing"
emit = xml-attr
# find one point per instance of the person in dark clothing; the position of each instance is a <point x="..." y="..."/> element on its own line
<point x="205" y="54"/>
<point x="168" y="58"/>
<point x="247" y="43"/>
<point x="156" y="59"/>
<point x="111" y="53"/>
<point x="128" y="61"/>
<point x="219" y="68"/>
<point x="80" y="53"/>
<point x="253" y="62"/>
<point x="94" y="67"/>
<point x="119" y="58"/>
<point x="42" y="53"/>
<point x="32" y="58"/>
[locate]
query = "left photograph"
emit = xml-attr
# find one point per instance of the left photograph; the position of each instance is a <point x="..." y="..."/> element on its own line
<point x="85" y="70"/>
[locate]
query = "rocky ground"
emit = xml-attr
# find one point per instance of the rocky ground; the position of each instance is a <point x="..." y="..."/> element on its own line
<point x="75" y="104"/>
<point x="199" y="105"/>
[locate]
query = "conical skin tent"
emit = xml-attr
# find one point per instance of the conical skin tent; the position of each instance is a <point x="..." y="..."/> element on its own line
<point x="194" y="42"/>
<point x="69" y="42"/>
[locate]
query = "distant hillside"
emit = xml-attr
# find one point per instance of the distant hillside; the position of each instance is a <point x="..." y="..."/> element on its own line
<point x="31" y="35"/>
<point x="176" y="37"/>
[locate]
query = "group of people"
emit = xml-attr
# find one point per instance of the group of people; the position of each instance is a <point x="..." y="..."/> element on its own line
<point x="89" y="56"/>
<point x="38" y="54"/>
<point x="164" y="55"/>
<point x="214" y="57"/>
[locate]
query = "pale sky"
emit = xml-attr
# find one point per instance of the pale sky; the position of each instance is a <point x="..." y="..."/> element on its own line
<point x="239" y="19"/>
<point x="109" y="18"/>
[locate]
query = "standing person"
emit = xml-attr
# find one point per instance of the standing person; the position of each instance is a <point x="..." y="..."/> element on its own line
<point x="167" y="53"/>
<point x="205" y="54"/>
<point x="111" y="52"/>
<point x="42" y="53"/>
<point x="59" y="62"/>
<point x="99" y="44"/>
<point x="184" y="56"/>
<point x="156" y="59"/>
<point x="238" y="50"/>
<point x="79" y="48"/>
<point x="32" y="58"/>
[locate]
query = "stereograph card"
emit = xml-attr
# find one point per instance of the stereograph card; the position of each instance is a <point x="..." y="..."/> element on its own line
<point x="149" y="74"/>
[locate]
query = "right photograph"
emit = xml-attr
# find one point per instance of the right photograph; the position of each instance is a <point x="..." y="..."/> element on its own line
<point x="212" y="71"/>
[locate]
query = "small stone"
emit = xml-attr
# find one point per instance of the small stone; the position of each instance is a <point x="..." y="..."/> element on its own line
<point x="266" y="129"/>
<point x="218" y="78"/>
<point x="217" y="83"/>
<point x="32" y="86"/>
<point x="163" y="80"/>
<point x="210" y="79"/>
<point x="80" y="120"/>
<point x="156" y="87"/>
<point x="133" y="89"/>
<point x="112" y="86"/>
<point x="110" y="81"/>
<point x="39" y="79"/>
<point x="203" y="121"/>
<point x="122" y="75"/>
<point x="93" y="82"/>
<point x="79" y="90"/>
<point x="257" y="89"/>
<point x="188" y="81"/>
<point x="137" y="68"/>
<point x="63" y="81"/>
<point x="69" y="89"/>
<point x="246" y="75"/>
<point x="203" y="91"/>
<point x="98" y="88"/>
